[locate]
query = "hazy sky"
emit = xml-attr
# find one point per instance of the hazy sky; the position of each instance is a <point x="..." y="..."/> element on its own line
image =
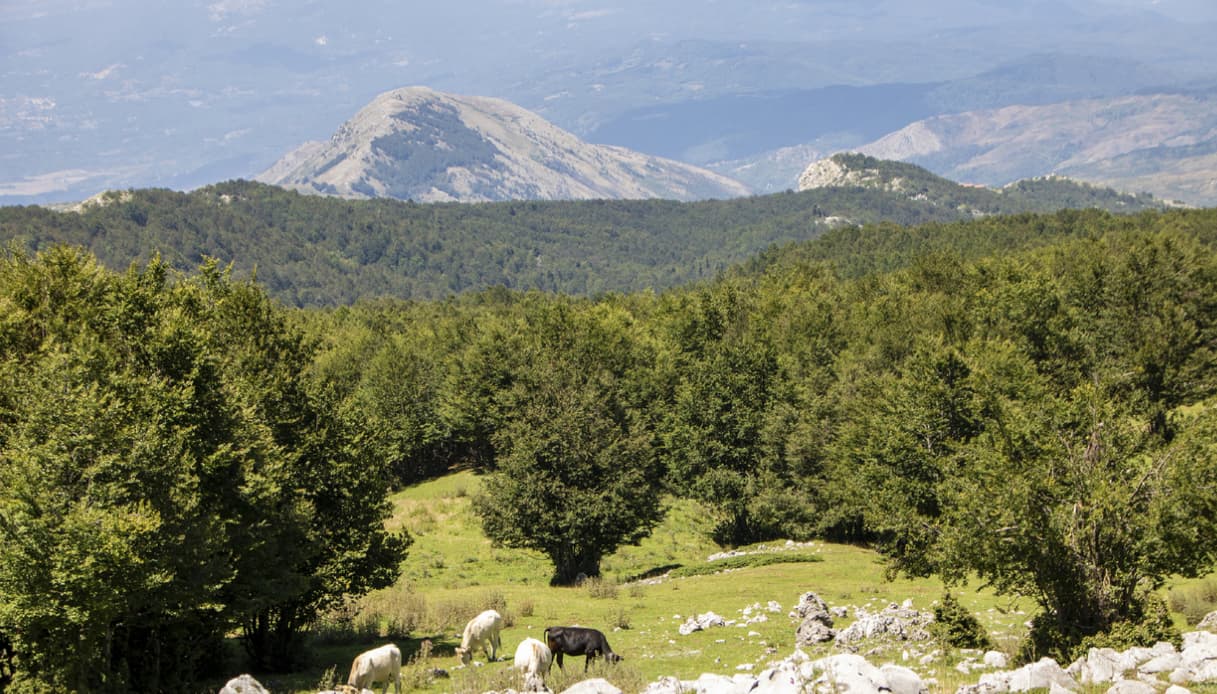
<point x="148" y="92"/>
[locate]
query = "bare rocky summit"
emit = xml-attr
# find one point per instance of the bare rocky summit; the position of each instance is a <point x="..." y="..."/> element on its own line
<point x="840" y="172"/>
<point x="419" y="144"/>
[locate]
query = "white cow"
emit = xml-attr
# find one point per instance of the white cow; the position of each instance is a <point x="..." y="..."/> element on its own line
<point x="482" y="630"/>
<point x="532" y="660"/>
<point x="381" y="664"/>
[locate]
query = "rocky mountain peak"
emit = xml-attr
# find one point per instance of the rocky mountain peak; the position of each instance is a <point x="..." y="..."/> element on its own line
<point x="420" y="144"/>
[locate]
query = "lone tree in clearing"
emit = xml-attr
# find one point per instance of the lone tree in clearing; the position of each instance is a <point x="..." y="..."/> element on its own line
<point x="577" y="476"/>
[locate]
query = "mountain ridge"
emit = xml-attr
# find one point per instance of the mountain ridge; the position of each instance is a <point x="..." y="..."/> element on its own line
<point x="416" y="143"/>
<point x="1164" y="143"/>
<point x="313" y="250"/>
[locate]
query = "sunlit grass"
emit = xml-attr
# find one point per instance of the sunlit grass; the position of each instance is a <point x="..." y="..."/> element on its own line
<point x="453" y="573"/>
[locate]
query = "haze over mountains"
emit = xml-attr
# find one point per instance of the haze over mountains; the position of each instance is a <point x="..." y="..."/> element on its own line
<point x="101" y="94"/>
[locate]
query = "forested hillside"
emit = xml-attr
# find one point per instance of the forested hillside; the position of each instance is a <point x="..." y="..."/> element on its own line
<point x="952" y="394"/>
<point x="1027" y="400"/>
<point x="314" y="251"/>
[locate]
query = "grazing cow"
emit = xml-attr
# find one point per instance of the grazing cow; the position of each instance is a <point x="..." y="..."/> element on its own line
<point x="482" y="630"/>
<point x="381" y="664"/>
<point x="578" y="641"/>
<point x="532" y="660"/>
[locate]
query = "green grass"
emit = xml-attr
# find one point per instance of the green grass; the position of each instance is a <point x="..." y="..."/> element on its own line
<point x="453" y="573"/>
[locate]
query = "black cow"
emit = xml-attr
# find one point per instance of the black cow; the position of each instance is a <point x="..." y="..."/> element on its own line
<point x="578" y="641"/>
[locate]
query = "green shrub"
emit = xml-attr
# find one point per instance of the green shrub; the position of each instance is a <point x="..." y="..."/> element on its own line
<point x="1149" y="625"/>
<point x="1154" y="625"/>
<point x="954" y="625"/>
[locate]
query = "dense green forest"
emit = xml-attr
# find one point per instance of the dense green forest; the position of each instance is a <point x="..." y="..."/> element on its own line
<point x="318" y="251"/>
<point x="1022" y="398"/>
<point x="1025" y="398"/>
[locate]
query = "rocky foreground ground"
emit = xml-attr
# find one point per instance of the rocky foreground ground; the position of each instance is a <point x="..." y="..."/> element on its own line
<point x="1160" y="669"/>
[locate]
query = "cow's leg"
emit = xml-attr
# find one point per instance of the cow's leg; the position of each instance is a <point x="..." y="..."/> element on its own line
<point x="558" y="657"/>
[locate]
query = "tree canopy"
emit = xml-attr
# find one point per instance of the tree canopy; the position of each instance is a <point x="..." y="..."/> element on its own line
<point x="167" y="475"/>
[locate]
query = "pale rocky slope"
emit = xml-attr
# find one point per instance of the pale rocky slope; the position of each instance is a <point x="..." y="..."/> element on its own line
<point x="428" y="146"/>
<point x="1165" y="144"/>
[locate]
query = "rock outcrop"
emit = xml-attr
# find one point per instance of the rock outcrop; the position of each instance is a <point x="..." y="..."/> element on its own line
<point x="815" y="621"/>
<point x="893" y="623"/>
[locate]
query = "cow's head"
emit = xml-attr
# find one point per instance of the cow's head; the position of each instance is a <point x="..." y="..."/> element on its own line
<point x="465" y="654"/>
<point x="613" y="658"/>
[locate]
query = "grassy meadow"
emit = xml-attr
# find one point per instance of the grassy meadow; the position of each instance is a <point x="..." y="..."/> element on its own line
<point x="453" y="573"/>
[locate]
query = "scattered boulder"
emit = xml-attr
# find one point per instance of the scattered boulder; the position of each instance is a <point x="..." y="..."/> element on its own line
<point x="1103" y="665"/>
<point x="797" y="675"/>
<point x="995" y="659"/>
<point x="1133" y="671"/>
<point x="811" y="632"/>
<point x="901" y="680"/>
<point x="894" y="623"/>
<point x="598" y="685"/>
<point x="1198" y="660"/>
<point x="1132" y="687"/>
<point x="811" y="605"/>
<point x="243" y="684"/>
<point x="755" y="613"/>
<point x="815" y="621"/>
<point x="1166" y="662"/>
<point x="706" y="684"/>
<point x="852" y="673"/>
<point x="700" y="622"/>
<point x="1044" y="674"/>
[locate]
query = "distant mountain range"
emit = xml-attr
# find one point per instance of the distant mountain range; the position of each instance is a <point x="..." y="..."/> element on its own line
<point x="419" y="144"/>
<point x="1165" y="144"/>
<point x="424" y="145"/>
<point x="102" y="95"/>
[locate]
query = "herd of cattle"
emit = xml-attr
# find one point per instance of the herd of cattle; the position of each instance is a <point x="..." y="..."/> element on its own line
<point x="533" y="657"/>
